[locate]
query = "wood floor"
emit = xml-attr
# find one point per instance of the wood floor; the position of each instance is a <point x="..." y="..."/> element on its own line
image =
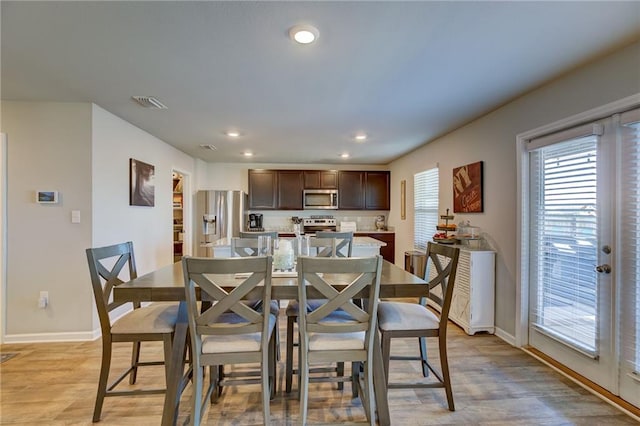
<point x="493" y="384"/>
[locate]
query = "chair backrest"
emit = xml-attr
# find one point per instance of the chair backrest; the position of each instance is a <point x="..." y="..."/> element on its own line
<point x="445" y="261"/>
<point x="344" y="242"/>
<point x="107" y="270"/>
<point x="339" y="280"/>
<point x="243" y="247"/>
<point x="272" y="234"/>
<point x="212" y="276"/>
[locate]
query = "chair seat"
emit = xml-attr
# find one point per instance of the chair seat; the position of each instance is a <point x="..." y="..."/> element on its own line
<point x="405" y="316"/>
<point x="249" y="342"/>
<point x="155" y="318"/>
<point x="336" y="341"/>
<point x="294" y="306"/>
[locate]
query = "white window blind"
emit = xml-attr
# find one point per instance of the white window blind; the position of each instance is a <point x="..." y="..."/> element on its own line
<point x="425" y="198"/>
<point x="629" y="251"/>
<point x="563" y="241"/>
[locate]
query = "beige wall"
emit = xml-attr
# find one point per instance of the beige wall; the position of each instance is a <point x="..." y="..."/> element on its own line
<point x="83" y="152"/>
<point x="49" y="148"/>
<point x="492" y="139"/>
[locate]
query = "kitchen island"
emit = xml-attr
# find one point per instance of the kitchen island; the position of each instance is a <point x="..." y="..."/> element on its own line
<point x="362" y="247"/>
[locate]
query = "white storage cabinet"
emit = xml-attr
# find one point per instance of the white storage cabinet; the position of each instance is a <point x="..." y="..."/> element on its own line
<point x="473" y="304"/>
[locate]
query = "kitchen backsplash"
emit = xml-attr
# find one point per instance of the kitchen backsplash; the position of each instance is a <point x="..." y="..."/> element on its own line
<point x="281" y="220"/>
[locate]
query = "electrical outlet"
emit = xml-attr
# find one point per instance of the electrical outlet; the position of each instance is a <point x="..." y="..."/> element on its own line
<point x="43" y="300"/>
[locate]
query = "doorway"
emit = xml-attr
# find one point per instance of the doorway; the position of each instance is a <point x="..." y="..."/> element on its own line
<point x="3" y="233"/>
<point x="579" y="239"/>
<point x="178" y="230"/>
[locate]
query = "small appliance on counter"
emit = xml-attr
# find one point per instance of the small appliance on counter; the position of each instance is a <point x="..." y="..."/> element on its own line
<point x="297" y="225"/>
<point x="255" y="222"/>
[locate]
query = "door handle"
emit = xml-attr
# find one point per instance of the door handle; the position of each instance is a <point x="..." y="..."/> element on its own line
<point x="603" y="268"/>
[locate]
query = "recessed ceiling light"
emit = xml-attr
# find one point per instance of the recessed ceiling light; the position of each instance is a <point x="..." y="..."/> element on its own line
<point x="247" y="154"/>
<point x="361" y="137"/>
<point x="345" y="155"/>
<point x="304" y="34"/>
<point x="232" y="133"/>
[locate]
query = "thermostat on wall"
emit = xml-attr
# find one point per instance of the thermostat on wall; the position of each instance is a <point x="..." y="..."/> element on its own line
<point x="46" y="197"/>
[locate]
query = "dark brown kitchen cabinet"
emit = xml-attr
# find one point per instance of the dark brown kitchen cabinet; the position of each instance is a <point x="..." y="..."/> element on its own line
<point x="263" y="189"/>
<point x="364" y="190"/>
<point x="377" y="191"/>
<point x="290" y="187"/>
<point x="351" y="187"/>
<point x="320" y="179"/>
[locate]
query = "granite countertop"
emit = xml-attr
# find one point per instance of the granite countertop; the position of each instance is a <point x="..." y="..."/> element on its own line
<point x="357" y="242"/>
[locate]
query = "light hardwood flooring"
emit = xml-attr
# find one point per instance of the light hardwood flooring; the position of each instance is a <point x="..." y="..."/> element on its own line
<point x="493" y="384"/>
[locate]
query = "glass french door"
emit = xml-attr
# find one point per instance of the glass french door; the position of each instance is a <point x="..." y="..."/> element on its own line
<point x="583" y="261"/>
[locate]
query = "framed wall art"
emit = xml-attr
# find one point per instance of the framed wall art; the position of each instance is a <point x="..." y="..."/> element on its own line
<point x="141" y="183"/>
<point x="467" y="188"/>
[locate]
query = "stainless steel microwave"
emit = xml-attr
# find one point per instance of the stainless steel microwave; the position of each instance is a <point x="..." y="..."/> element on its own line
<point x="315" y="199"/>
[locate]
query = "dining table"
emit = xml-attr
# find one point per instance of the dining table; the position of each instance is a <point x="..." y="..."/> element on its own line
<point x="167" y="285"/>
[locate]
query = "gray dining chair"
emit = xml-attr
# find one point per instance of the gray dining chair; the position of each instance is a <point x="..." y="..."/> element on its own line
<point x="402" y="320"/>
<point x="229" y="331"/>
<point x="338" y="330"/>
<point x="344" y="242"/>
<point x="322" y="247"/>
<point x="109" y="267"/>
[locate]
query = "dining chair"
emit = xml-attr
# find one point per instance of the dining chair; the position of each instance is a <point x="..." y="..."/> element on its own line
<point x="323" y="247"/>
<point x="338" y="330"/>
<point x="272" y="234"/>
<point x="229" y="331"/>
<point x="344" y="241"/>
<point x="155" y="322"/>
<point x="402" y="319"/>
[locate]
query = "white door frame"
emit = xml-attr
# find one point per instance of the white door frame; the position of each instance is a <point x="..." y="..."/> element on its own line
<point x="3" y="235"/>
<point x="522" y="219"/>
<point x="187" y="197"/>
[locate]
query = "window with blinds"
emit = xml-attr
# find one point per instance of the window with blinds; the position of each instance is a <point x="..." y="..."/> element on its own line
<point x="563" y="243"/>
<point x="629" y="252"/>
<point x="425" y="198"/>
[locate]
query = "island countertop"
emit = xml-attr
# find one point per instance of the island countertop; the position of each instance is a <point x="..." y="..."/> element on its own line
<point x="358" y="242"/>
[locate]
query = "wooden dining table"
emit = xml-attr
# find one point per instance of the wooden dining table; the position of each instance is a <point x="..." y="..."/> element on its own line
<point x="167" y="285"/>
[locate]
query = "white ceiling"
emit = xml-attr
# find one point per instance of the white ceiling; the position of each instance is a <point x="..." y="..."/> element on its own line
<point x="404" y="72"/>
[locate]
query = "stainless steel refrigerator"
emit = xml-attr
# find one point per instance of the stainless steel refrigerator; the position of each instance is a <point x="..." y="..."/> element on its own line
<point x="219" y="214"/>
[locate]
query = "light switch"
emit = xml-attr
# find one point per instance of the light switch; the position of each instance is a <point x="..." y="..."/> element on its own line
<point x="75" y="216"/>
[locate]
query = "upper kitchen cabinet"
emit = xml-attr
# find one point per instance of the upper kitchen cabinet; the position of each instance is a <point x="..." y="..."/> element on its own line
<point x="364" y="190"/>
<point x="290" y="187"/>
<point x="377" y="190"/>
<point x="351" y="187"/>
<point x="320" y="179"/>
<point x="263" y="189"/>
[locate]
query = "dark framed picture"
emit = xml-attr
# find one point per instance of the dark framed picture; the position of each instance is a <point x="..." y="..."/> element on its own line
<point x="141" y="183"/>
<point x="467" y="188"/>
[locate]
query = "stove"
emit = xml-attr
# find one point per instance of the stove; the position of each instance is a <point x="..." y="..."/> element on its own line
<point x="319" y="223"/>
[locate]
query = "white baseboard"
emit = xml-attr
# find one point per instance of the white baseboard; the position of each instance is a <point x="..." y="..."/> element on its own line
<point x="509" y="338"/>
<point x="79" y="336"/>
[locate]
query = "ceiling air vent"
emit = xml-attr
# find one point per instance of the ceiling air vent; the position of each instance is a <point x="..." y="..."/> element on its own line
<point x="209" y="147"/>
<point x="149" y="102"/>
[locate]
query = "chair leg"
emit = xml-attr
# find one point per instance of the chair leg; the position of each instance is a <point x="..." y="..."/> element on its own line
<point x="370" y="405"/>
<point x="213" y="383"/>
<point x="135" y="358"/>
<point x="277" y="334"/>
<point x="168" y="346"/>
<point x="444" y="363"/>
<point x="355" y="377"/>
<point x="272" y="360"/>
<point x="268" y="378"/>
<point x="386" y="353"/>
<point x="303" y="375"/>
<point x="104" y="377"/>
<point x="196" y="398"/>
<point x="423" y="356"/>
<point x="289" y="361"/>
<point x="340" y="373"/>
